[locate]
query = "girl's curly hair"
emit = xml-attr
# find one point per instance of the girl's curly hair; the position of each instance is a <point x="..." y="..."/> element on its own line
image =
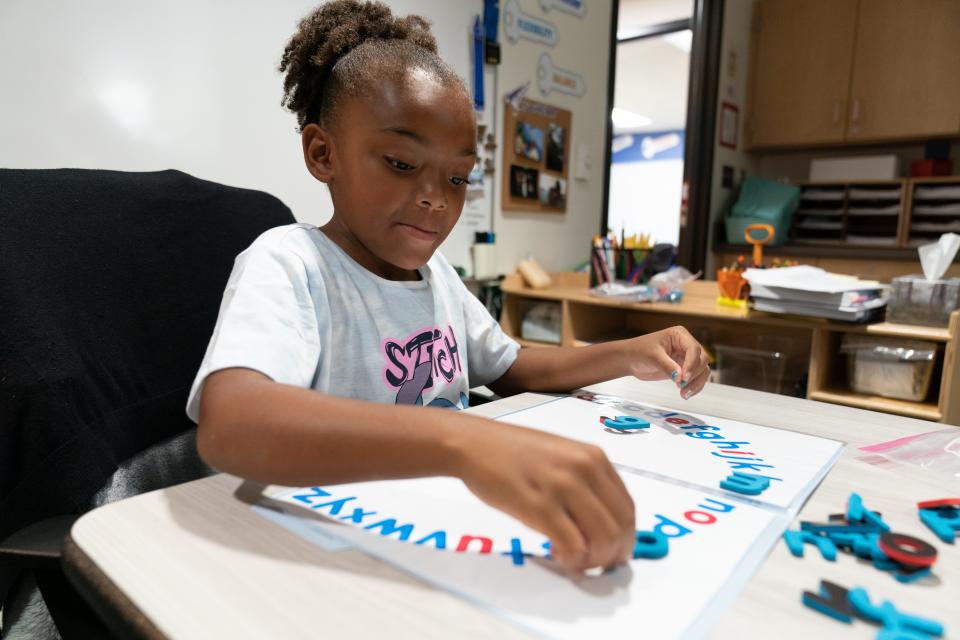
<point x="344" y="47"/>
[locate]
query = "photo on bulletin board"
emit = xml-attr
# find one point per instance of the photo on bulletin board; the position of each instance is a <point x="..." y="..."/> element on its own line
<point x="538" y="177"/>
<point x="553" y="191"/>
<point x="528" y="142"/>
<point x="555" y="148"/>
<point x="523" y="182"/>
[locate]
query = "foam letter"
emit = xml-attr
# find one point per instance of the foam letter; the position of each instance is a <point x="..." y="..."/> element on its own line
<point x="832" y="601"/>
<point x="943" y="521"/>
<point x="796" y="539"/>
<point x="745" y="483"/>
<point x="650" y="545"/>
<point x="889" y="617"/>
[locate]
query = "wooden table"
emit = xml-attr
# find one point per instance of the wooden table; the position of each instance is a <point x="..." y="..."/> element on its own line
<point x="194" y="562"/>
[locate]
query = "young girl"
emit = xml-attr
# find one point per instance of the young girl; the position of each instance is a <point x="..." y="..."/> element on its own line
<point x="328" y="338"/>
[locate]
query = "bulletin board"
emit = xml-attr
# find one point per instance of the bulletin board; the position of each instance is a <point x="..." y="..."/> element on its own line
<point x="536" y="157"/>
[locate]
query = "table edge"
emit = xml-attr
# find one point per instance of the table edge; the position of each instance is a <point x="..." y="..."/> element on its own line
<point x="121" y="616"/>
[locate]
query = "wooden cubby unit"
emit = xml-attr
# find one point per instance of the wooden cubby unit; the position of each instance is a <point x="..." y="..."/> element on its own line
<point x="812" y="345"/>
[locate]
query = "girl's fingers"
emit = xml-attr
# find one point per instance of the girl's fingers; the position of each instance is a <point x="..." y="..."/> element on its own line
<point x="618" y="501"/>
<point x="568" y="546"/>
<point x="670" y="368"/>
<point x="692" y="360"/>
<point x="605" y="538"/>
<point x="694" y="386"/>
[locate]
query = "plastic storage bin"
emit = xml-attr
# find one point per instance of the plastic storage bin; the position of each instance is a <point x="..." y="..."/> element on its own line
<point x="892" y="368"/>
<point x="762" y="201"/>
<point x="916" y="300"/>
<point x="758" y="369"/>
<point x="542" y="323"/>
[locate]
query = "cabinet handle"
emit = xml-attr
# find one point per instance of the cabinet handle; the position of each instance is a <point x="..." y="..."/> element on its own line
<point x="836" y="112"/>
<point x="855" y="111"/>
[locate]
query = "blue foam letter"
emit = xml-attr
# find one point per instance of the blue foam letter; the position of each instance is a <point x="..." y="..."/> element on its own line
<point x="745" y="483"/>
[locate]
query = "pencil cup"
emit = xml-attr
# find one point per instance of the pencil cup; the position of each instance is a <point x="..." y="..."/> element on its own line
<point x="628" y="266"/>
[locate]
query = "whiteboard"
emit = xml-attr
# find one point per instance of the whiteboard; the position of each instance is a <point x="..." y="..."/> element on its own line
<point x="133" y="85"/>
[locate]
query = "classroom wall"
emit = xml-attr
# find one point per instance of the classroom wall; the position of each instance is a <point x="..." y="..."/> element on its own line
<point x="558" y="241"/>
<point x="140" y="86"/>
<point x="146" y="86"/>
<point x="732" y="88"/>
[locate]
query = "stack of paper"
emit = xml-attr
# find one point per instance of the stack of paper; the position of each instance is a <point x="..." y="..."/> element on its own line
<point x="810" y="291"/>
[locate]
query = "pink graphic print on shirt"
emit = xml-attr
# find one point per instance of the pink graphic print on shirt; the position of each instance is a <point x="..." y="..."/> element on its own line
<point x="429" y="355"/>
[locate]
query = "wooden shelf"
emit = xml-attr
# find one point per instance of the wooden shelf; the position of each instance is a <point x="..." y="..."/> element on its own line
<point x="834" y="250"/>
<point x="922" y="410"/>
<point x="700" y="300"/>
<point x="937" y="334"/>
<point x="810" y="343"/>
<point x="895" y="236"/>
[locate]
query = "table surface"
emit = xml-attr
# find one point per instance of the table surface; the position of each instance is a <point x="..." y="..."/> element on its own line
<point x="192" y="561"/>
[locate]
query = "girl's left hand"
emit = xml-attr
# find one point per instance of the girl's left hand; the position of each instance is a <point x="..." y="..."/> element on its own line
<point x="671" y="353"/>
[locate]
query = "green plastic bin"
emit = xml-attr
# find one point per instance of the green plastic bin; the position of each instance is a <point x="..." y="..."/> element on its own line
<point x="762" y="201"/>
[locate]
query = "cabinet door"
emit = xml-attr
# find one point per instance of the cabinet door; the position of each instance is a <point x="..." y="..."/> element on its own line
<point x="801" y="60"/>
<point x="906" y="71"/>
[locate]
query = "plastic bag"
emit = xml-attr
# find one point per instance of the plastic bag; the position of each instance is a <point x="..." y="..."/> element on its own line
<point x="675" y="278"/>
<point x="937" y="451"/>
<point x="894" y="349"/>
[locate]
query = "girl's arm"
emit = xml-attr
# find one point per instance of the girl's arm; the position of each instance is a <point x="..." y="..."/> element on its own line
<point x="255" y="428"/>
<point x="670" y="353"/>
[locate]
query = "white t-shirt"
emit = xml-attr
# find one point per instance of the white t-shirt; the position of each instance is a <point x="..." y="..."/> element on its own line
<point x="301" y="311"/>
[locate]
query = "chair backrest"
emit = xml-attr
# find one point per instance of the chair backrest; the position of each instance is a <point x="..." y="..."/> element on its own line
<point x="110" y="285"/>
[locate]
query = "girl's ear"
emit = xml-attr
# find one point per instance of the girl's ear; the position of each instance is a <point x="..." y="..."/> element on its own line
<point x="317" y="152"/>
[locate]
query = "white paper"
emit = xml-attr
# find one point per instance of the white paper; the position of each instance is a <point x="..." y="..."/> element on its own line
<point x="437" y="530"/>
<point x="679" y="595"/>
<point x="807" y="278"/>
<point x="690" y="448"/>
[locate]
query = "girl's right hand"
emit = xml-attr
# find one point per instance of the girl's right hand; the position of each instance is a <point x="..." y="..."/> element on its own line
<point x="565" y="489"/>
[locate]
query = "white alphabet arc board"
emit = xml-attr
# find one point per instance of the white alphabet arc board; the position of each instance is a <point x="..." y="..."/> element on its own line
<point x="696" y="449"/>
<point x="435" y="529"/>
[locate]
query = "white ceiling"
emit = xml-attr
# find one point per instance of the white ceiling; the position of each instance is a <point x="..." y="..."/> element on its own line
<point x="635" y="14"/>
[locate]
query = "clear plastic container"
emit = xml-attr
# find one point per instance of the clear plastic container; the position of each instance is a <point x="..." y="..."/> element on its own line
<point x="542" y="323"/>
<point x="758" y="369"/>
<point x="916" y="300"/>
<point x="889" y="367"/>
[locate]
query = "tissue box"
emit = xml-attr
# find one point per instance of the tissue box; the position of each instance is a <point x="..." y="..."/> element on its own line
<point x="916" y="300"/>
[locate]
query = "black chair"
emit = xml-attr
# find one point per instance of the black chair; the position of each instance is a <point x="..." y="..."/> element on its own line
<point x="110" y="285"/>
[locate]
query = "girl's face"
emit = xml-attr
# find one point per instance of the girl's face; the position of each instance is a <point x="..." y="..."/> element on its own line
<point x="397" y="163"/>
